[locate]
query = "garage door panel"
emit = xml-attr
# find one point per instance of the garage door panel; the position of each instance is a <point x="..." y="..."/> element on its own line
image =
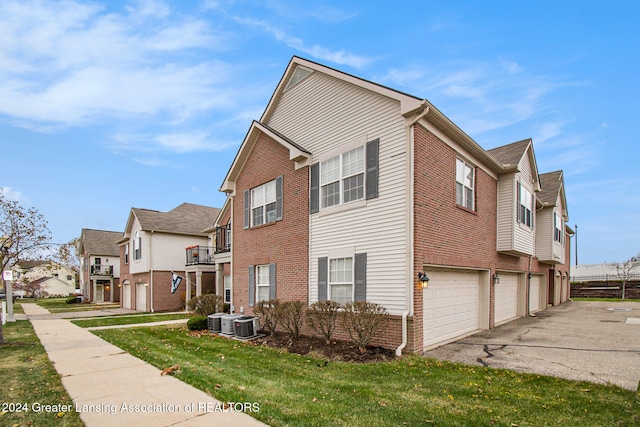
<point x="506" y="298"/>
<point x="141" y="297"/>
<point x="126" y="296"/>
<point x="451" y="305"/>
<point x="535" y="290"/>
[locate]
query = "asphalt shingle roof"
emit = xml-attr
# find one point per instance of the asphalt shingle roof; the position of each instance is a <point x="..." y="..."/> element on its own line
<point x="184" y="219"/>
<point x="550" y="186"/>
<point x="510" y="154"/>
<point x="101" y="242"/>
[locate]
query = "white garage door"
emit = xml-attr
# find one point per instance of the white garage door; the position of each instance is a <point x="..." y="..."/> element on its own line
<point x="506" y="301"/>
<point x="141" y="297"/>
<point x="126" y="295"/>
<point x="451" y="306"/>
<point x="535" y="293"/>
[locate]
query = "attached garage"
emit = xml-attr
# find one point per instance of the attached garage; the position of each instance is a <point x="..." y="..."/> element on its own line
<point x="126" y="295"/>
<point x="141" y="297"/>
<point x="506" y="298"/>
<point x="537" y="293"/>
<point x="453" y="305"/>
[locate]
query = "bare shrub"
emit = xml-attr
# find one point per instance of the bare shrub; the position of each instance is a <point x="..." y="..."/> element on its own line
<point x="266" y="311"/>
<point x="204" y="305"/>
<point x="291" y="316"/>
<point x="363" y="320"/>
<point x="321" y="316"/>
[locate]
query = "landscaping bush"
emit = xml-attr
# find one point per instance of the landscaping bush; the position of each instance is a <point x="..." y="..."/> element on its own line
<point x="206" y="304"/>
<point x="73" y="299"/>
<point x="321" y="316"/>
<point x="363" y="320"/>
<point x="266" y="311"/>
<point x="197" y="323"/>
<point x="291" y="315"/>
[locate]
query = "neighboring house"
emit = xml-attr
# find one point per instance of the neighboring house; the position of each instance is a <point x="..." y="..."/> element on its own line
<point x="100" y="265"/>
<point x="27" y="276"/>
<point x="153" y="248"/>
<point x="348" y="190"/>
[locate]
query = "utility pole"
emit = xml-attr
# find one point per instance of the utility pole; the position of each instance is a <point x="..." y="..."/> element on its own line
<point x="576" y="244"/>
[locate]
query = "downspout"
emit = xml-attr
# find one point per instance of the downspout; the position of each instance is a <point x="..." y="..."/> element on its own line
<point x="151" y="270"/>
<point x="410" y="142"/>
<point x="529" y="274"/>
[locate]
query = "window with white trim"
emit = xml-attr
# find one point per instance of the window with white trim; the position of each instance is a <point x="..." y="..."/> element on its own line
<point x="137" y="244"/>
<point x="526" y="207"/>
<point x="263" y="204"/>
<point x="557" y="228"/>
<point x="341" y="280"/>
<point x="126" y="253"/>
<point x="342" y="178"/>
<point x="465" y="174"/>
<point x="227" y="289"/>
<point x="262" y="282"/>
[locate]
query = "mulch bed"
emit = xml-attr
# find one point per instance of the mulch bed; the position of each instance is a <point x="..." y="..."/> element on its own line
<point x="316" y="347"/>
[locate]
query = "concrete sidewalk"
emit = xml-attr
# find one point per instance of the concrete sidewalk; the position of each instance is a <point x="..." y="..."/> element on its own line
<point x="110" y="387"/>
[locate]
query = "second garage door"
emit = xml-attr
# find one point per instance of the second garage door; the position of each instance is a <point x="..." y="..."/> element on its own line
<point x="506" y="300"/>
<point x="536" y="293"/>
<point x="451" y="306"/>
<point x="141" y="297"/>
<point x="126" y="295"/>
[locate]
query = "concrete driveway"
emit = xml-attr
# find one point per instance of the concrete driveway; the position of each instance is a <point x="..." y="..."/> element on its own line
<point x="589" y="341"/>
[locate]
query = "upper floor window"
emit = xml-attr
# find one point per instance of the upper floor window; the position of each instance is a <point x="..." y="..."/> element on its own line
<point x="525" y="206"/>
<point x="342" y="178"/>
<point x="263" y="204"/>
<point x="137" y="246"/>
<point x="464" y="184"/>
<point x="126" y="254"/>
<point x="557" y="228"/>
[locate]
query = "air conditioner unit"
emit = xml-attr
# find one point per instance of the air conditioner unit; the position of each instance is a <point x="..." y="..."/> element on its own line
<point x="226" y="324"/>
<point x="214" y="322"/>
<point x="246" y="327"/>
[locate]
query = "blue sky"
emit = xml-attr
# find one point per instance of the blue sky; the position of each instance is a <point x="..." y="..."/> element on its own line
<point x="108" y="105"/>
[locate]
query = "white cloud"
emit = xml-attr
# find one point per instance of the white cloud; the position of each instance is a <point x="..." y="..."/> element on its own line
<point x="69" y="63"/>
<point x="336" y="56"/>
<point x="170" y="143"/>
<point x="12" y="194"/>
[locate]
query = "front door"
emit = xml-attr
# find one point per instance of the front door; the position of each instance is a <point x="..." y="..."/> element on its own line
<point x="99" y="293"/>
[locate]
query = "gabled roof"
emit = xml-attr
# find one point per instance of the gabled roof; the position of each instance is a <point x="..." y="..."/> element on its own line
<point x="552" y="184"/>
<point x="510" y="156"/>
<point x="187" y="219"/>
<point x="296" y="153"/>
<point x="99" y="242"/>
<point x="29" y="264"/>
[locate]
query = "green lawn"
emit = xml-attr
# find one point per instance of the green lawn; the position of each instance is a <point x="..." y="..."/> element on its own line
<point x="59" y="305"/>
<point x="295" y="390"/>
<point x="128" y="319"/>
<point x="29" y="382"/>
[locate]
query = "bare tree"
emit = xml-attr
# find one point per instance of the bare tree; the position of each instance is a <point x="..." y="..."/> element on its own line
<point x="23" y="235"/>
<point x="626" y="271"/>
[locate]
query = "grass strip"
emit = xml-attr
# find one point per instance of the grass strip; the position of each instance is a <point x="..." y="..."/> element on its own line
<point x="30" y="383"/>
<point x="128" y="320"/>
<point x="294" y="390"/>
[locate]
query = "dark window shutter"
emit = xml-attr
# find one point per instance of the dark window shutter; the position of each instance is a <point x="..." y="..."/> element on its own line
<point x="518" y="189"/>
<point x="323" y="271"/>
<point x="247" y="208"/>
<point x="360" y="267"/>
<point x="252" y="286"/>
<point x="314" y="194"/>
<point x="533" y="208"/>
<point x="272" y="281"/>
<point x="279" y="198"/>
<point x="373" y="148"/>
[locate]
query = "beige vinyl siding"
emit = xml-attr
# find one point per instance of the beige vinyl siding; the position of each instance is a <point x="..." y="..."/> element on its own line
<point x="524" y="236"/>
<point x="506" y="212"/>
<point x="558" y="247"/>
<point x="544" y="234"/>
<point x="322" y="113"/>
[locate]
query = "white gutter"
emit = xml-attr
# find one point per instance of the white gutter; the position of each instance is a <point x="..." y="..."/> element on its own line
<point x="404" y="334"/>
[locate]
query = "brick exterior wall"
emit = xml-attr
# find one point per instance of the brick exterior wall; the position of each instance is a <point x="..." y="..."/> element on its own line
<point x="285" y="242"/>
<point x="449" y="235"/>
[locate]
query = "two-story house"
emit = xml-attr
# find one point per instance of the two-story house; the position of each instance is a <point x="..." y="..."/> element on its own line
<point x="152" y="249"/>
<point x="348" y="190"/>
<point x="43" y="278"/>
<point x="100" y="265"/>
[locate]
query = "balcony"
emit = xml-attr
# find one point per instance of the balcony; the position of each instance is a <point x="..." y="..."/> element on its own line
<point x="102" y="270"/>
<point x="199" y="255"/>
